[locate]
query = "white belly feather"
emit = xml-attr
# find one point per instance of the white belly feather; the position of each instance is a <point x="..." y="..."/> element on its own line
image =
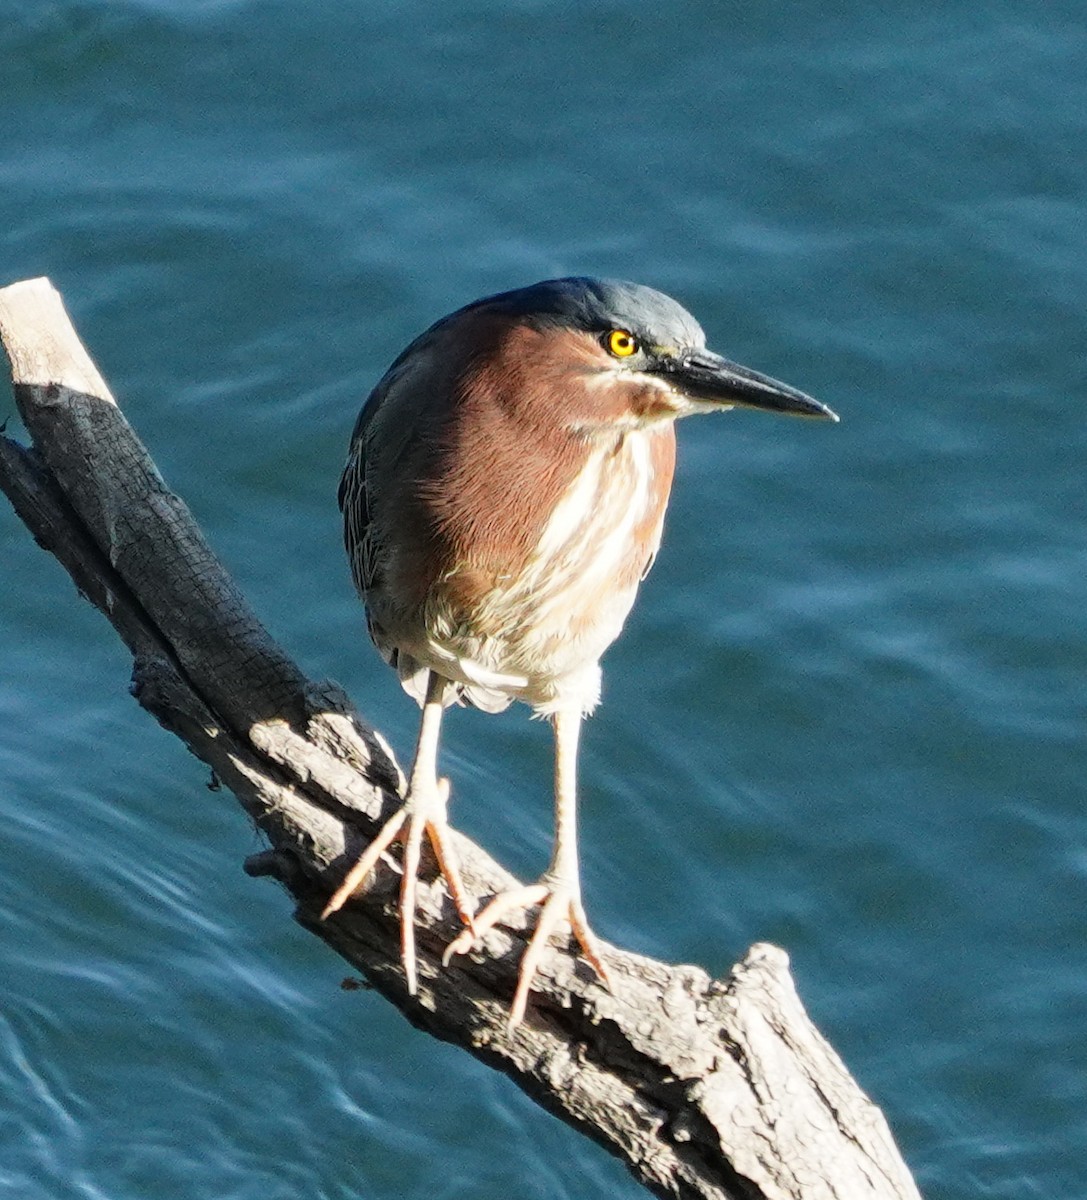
<point x="548" y="627"/>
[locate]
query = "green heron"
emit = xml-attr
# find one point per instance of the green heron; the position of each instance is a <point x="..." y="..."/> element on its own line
<point x="502" y="500"/>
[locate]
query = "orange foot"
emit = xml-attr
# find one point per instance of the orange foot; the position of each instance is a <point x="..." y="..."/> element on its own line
<point x="561" y="903"/>
<point x="421" y="813"/>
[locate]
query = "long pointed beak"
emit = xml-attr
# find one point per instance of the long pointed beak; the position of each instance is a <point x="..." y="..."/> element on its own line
<point x="705" y="376"/>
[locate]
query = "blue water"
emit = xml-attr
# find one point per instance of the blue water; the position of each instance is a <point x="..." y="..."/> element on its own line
<point x="847" y="712"/>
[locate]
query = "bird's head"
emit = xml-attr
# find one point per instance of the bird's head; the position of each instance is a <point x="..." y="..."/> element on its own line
<point x="605" y="352"/>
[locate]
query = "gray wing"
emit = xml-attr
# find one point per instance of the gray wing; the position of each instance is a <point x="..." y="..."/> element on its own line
<point x="361" y="540"/>
<point x="354" y="494"/>
<point x="367" y="490"/>
<point x="354" y="504"/>
<point x="358" y="525"/>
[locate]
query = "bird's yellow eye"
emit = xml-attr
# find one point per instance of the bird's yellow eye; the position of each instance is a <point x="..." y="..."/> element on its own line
<point x="621" y="343"/>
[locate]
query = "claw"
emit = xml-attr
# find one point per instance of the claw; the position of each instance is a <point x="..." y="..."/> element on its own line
<point x="559" y="904"/>
<point x="385" y="838"/>
<point x="419" y="819"/>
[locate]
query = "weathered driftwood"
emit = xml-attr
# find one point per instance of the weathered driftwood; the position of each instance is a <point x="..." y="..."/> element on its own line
<point x="704" y="1087"/>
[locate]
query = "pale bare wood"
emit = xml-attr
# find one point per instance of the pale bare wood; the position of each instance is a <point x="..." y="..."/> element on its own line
<point x="54" y="353"/>
<point x="705" y="1088"/>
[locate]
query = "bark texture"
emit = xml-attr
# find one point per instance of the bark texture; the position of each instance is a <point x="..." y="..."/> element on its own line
<point x="704" y="1087"/>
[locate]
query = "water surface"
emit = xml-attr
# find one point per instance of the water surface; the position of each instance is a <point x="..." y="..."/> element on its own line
<point x="846" y="715"/>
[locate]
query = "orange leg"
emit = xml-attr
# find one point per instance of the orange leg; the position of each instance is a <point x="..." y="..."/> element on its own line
<point x="559" y="888"/>
<point x="423" y="812"/>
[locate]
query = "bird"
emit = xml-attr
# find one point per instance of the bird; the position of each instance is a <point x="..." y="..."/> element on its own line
<point x="503" y="498"/>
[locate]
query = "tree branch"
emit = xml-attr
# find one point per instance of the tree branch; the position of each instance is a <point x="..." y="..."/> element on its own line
<point x="705" y="1088"/>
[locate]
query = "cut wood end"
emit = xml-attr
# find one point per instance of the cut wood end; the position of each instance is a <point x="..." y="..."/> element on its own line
<point x="41" y="342"/>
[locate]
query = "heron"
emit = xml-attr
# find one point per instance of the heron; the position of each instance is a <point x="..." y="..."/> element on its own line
<point x="503" y="498"/>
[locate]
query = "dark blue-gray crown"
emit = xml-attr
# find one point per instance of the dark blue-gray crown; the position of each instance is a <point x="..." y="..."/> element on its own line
<point x="597" y="305"/>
